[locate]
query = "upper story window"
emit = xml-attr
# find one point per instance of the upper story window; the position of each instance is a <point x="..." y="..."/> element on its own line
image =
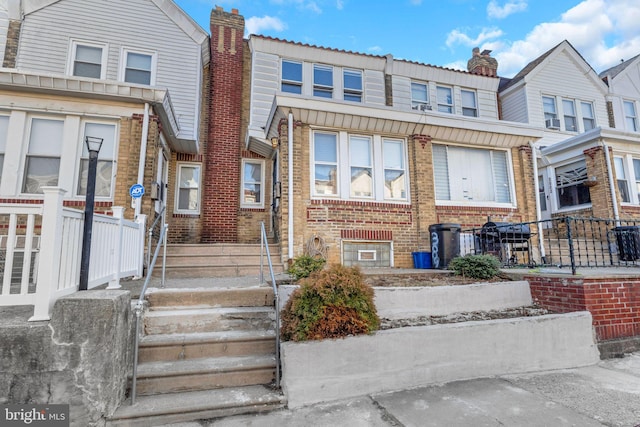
<point x="352" y="85"/>
<point x="420" y="96"/>
<point x="588" y="118"/>
<point x="42" y="165"/>
<point x="323" y="81"/>
<point x="570" y="119"/>
<point x="291" y="79"/>
<point x="325" y="165"/>
<point x="361" y="166"/>
<point x="630" y="116"/>
<point x="445" y="99"/>
<point x="469" y="106"/>
<point x="550" y="114"/>
<point x="188" y="194"/>
<point x="570" y="186"/>
<point x="138" y="67"/>
<point x="487" y="181"/>
<point x="252" y="183"/>
<point x="4" y="129"/>
<point x="88" y="60"/>
<point x="104" y="169"/>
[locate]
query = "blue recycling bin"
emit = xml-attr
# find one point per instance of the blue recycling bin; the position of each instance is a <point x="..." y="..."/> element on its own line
<point x="421" y="259"/>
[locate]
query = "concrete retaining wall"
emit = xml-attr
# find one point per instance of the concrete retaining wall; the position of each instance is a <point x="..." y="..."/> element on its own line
<point x="395" y="359"/>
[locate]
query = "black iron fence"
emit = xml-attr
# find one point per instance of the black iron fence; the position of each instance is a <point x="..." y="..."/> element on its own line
<point x="560" y="242"/>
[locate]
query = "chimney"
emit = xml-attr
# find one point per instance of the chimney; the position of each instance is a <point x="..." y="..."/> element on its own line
<point x="482" y="63"/>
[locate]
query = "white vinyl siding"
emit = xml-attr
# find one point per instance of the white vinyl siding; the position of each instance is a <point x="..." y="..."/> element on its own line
<point x="514" y="106"/>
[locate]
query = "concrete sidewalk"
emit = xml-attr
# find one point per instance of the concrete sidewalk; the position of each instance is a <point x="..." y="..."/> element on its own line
<point x="606" y="394"/>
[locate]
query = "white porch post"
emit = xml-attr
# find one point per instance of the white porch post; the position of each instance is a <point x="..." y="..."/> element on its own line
<point x="114" y="283"/>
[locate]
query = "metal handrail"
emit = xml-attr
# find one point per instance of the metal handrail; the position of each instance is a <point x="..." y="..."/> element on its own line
<point x="264" y="244"/>
<point x="162" y="241"/>
<point x="158" y="218"/>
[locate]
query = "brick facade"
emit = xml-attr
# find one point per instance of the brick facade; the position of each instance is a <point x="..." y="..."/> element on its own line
<point x="11" y="48"/>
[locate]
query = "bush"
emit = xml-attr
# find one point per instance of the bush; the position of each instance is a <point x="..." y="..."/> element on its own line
<point x="304" y="265"/>
<point x="476" y="266"/>
<point x="330" y="303"/>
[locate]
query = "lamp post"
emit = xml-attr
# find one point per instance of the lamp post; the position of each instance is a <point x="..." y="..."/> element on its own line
<point x="93" y="146"/>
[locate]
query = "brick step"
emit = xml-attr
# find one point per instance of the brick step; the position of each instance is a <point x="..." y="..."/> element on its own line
<point x="220" y="249"/>
<point x="177" y="347"/>
<point x="151" y="411"/>
<point x="172" y="320"/>
<point x="204" y="374"/>
<point x="195" y="271"/>
<point x="221" y="297"/>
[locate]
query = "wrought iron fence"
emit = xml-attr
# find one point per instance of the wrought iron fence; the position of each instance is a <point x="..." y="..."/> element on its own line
<point x="570" y="242"/>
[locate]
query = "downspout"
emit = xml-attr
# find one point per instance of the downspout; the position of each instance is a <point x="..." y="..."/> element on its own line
<point x="143" y="155"/>
<point x="536" y="186"/>
<point x="290" y="170"/>
<point x="612" y="185"/>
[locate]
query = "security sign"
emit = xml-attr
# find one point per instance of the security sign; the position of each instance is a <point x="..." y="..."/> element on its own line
<point x="136" y="191"/>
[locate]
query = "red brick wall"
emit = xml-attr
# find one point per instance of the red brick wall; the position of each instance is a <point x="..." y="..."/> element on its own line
<point x="614" y="302"/>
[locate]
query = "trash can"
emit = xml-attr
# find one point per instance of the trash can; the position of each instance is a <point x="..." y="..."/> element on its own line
<point x="628" y="239"/>
<point x="445" y="244"/>
<point x="421" y="259"/>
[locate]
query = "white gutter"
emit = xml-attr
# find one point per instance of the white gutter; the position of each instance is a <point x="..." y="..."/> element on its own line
<point x="290" y="169"/>
<point x="536" y="186"/>
<point x="612" y="185"/>
<point x="143" y="155"/>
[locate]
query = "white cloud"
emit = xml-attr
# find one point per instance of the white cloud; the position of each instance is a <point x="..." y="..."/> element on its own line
<point x="311" y="5"/>
<point x="374" y="49"/>
<point x="458" y="37"/>
<point x="494" y="10"/>
<point x="416" y="2"/>
<point x="457" y="65"/>
<point x="339" y="4"/>
<point x="257" y="25"/>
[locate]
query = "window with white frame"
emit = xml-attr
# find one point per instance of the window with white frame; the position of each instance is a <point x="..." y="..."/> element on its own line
<point x="570" y="119"/>
<point x="352" y="80"/>
<point x="570" y="185"/>
<point x="621" y="179"/>
<point x="252" y="183"/>
<point x="188" y="194"/>
<point x="361" y="167"/>
<point x="88" y="60"/>
<point x="542" y="195"/>
<point x="42" y="164"/>
<point x="106" y="155"/>
<point x="550" y="112"/>
<point x="323" y="81"/>
<point x="291" y="78"/>
<point x="630" y="116"/>
<point x="325" y="165"/>
<point x="469" y="105"/>
<point x="636" y="173"/>
<point x="489" y="180"/>
<point x="4" y="129"/>
<point x="588" y="118"/>
<point x="395" y="180"/>
<point x="627" y="170"/>
<point x="445" y="99"/>
<point x="419" y="96"/>
<point x="138" y="67"/>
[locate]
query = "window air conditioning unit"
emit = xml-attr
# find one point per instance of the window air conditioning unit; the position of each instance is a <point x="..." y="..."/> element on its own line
<point x="422" y="107"/>
<point x="552" y="123"/>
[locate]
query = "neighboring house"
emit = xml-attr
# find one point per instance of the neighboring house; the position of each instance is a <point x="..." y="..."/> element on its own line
<point x="77" y="68"/>
<point x="365" y="152"/>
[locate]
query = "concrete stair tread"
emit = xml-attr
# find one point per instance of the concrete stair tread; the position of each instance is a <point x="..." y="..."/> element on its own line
<point x="204" y="366"/>
<point x="181" y="311"/>
<point x="248" y="296"/>
<point x="205" y="337"/>
<point x="192" y="405"/>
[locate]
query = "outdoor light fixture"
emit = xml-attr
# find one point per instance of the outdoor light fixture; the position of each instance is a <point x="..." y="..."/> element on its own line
<point x="93" y="146"/>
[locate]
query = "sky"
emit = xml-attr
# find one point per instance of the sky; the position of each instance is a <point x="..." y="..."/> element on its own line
<point x="444" y="32"/>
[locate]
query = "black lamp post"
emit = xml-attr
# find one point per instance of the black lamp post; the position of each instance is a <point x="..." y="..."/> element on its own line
<point x="93" y="146"/>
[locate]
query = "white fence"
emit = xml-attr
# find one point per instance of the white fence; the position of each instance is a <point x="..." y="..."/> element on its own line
<point x="39" y="269"/>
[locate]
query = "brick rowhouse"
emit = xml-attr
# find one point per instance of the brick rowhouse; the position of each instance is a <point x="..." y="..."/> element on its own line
<point x="221" y="182"/>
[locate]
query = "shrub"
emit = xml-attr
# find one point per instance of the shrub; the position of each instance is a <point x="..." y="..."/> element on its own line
<point x="330" y="303"/>
<point x="476" y="266"/>
<point x="304" y="265"/>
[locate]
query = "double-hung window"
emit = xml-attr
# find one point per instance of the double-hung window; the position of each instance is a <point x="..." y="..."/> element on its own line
<point x="4" y="129"/>
<point x="323" y="81"/>
<point x="252" y="183"/>
<point x="104" y="168"/>
<point x="570" y="119"/>
<point x="361" y="166"/>
<point x="570" y="186"/>
<point x="636" y="173"/>
<point x="352" y="80"/>
<point x="395" y="179"/>
<point x="325" y="165"/>
<point x="188" y="194"/>
<point x="42" y="164"/>
<point x="419" y="96"/>
<point x="588" y="118"/>
<point x="88" y="60"/>
<point x="550" y="115"/>
<point x="138" y="67"/>
<point x="291" y="78"/>
<point x="488" y="180"/>
<point x="445" y="99"/>
<point x="630" y="116"/>
<point x="621" y="179"/>
<point x="469" y="105"/>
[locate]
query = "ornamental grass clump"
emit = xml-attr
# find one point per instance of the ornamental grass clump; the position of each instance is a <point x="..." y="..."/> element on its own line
<point x="476" y="266"/>
<point x="330" y="303"/>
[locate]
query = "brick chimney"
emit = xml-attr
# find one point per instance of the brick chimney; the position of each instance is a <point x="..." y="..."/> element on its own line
<point x="482" y="63"/>
<point x="221" y="184"/>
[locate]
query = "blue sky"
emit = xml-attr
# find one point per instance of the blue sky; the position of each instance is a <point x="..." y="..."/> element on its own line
<point x="443" y="32"/>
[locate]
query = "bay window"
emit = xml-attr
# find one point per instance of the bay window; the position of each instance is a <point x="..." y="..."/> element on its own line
<point x="42" y="164"/>
<point x="570" y="186"/>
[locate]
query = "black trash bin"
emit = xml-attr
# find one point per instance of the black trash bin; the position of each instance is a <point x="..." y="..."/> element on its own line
<point x="628" y="239"/>
<point x="445" y="244"/>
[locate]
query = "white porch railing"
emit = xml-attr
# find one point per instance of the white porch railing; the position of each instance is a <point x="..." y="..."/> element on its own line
<point x="37" y="270"/>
